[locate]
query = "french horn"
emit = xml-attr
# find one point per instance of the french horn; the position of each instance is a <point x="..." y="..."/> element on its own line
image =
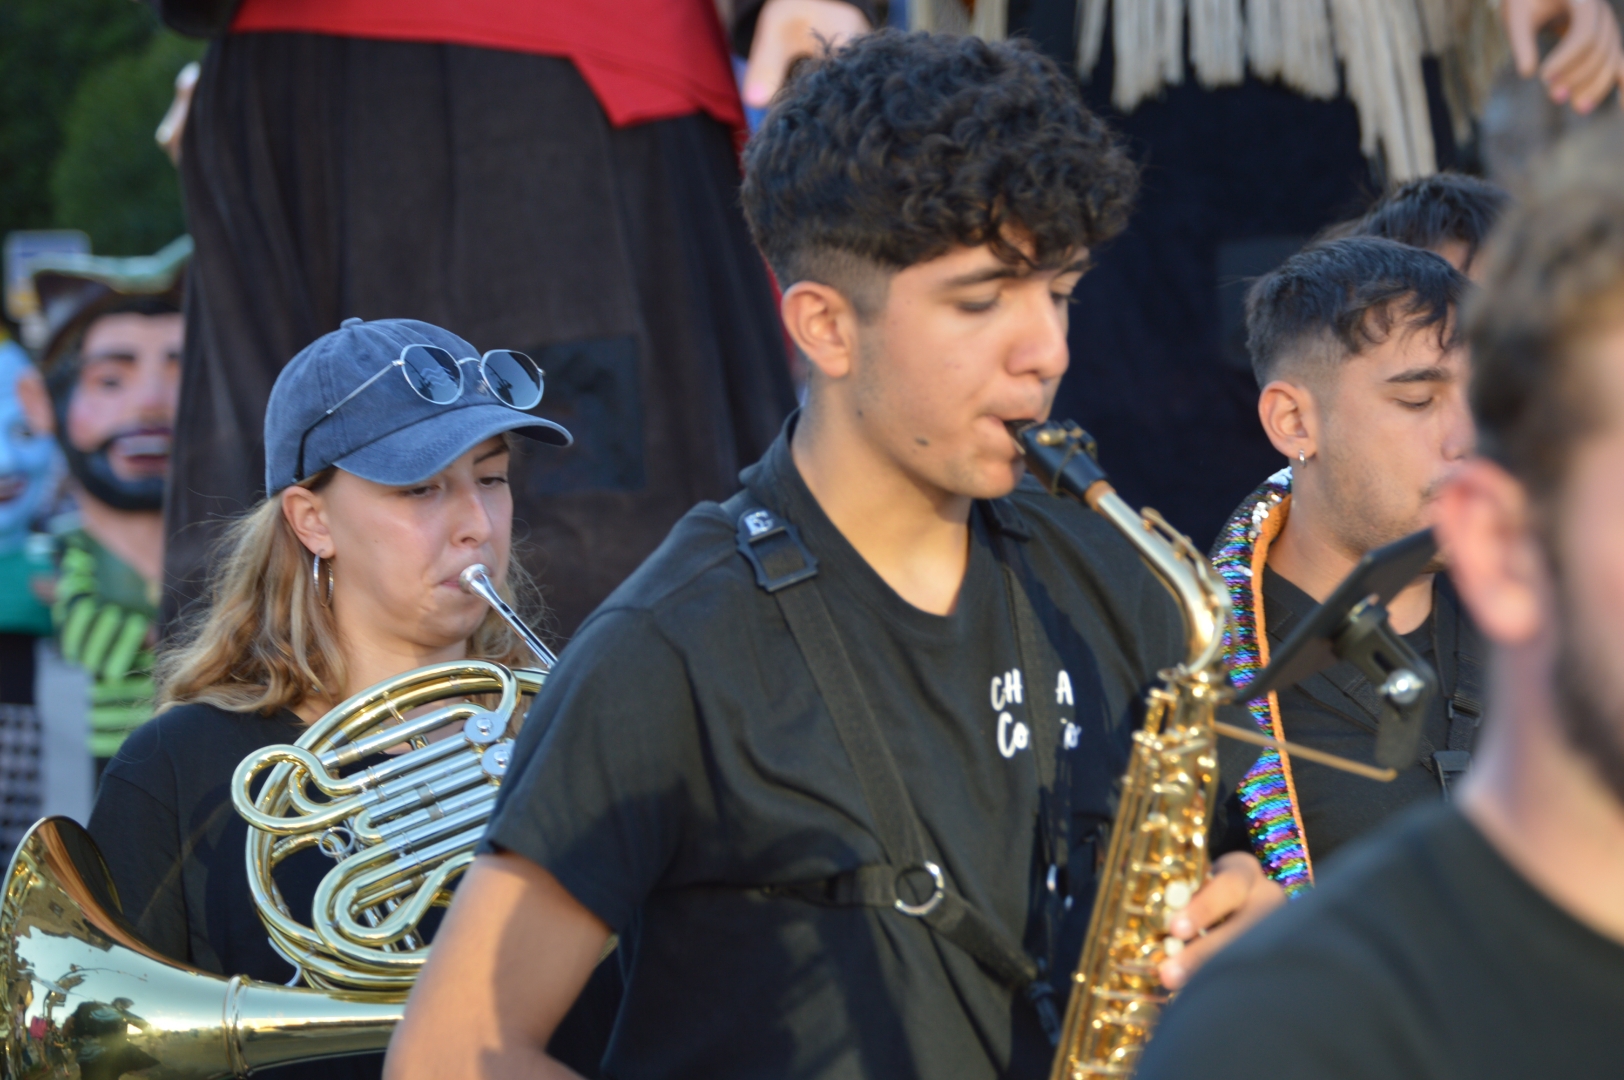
<point x="85" y="996"/>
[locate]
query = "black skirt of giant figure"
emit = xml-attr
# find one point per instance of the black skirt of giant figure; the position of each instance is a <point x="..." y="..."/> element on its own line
<point x="483" y="191"/>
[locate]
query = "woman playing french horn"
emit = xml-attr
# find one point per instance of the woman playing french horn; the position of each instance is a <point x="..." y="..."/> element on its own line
<point x="383" y="489"/>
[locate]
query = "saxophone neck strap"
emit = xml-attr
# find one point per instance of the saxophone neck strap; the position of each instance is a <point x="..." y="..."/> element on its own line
<point x="909" y="882"/>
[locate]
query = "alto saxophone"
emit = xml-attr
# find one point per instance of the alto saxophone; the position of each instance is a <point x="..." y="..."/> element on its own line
<point x="1158" y="852"/>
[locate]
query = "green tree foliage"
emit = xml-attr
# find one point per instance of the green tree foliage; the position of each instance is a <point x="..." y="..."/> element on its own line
<point x="46" y="47"/>
<point x="111" y="179"/>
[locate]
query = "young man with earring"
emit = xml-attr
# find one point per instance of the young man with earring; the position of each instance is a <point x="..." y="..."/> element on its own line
<point x="1355" y="345"/>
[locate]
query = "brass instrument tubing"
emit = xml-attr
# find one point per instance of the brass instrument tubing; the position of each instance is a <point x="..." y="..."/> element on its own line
<point x="476" y="579"/>
<point x="1308" y="753"/>
<point x="379" y="742"/>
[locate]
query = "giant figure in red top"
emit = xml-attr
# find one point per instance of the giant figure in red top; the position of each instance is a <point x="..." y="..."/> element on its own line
<point x="558" y="178"/>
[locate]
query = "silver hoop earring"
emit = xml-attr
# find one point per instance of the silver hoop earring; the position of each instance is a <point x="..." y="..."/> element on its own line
<point x="1302" y="458"/>
<point x="315" y="579"/>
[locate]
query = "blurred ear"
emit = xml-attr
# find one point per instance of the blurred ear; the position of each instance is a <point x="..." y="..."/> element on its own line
<point x="1290" y="418"/>
<point x="306" y="513"/>
<point x="1486" y="530"/>
<point x="36" y="402"/>
<point x="823" y="325"/>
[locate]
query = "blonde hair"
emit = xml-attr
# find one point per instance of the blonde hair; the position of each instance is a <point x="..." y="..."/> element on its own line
<point x="266" y="642"/>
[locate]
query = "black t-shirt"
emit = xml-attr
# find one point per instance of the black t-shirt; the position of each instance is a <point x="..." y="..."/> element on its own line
<point x="1336" y="711"/>
<point x="680" y="755"/>
<point x="1424" y="955"/>
<point x="173" y="841"/>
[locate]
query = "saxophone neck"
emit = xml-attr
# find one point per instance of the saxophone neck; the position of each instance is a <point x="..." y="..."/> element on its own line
<point x="1202" y="598"/>
<point x="1062" y="457"/>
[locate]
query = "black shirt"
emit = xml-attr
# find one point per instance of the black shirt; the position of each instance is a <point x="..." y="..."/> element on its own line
<point x="680" y="755"/>
<point x="1336" y="711"/>
<point x="1424" y="955"/>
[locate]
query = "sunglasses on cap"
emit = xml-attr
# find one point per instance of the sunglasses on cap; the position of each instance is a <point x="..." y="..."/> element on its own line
<point x="434" y="375"/>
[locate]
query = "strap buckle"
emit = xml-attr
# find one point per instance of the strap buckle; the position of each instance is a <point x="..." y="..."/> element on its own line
<point x="1460" y="705"/>
<point x="758" y="541"/>
<point x="919" y="911"/>
<point x="1452" y="765"/>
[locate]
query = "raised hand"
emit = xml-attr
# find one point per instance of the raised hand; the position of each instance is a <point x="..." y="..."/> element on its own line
<point x="1586" y="64"/>
<point x="787" y="30"/>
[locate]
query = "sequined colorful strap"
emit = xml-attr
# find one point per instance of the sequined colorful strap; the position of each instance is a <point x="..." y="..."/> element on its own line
<point x="1267" y="792"/>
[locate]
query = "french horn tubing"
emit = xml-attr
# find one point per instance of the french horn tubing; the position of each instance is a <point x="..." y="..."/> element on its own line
<point x="400" y="831"/>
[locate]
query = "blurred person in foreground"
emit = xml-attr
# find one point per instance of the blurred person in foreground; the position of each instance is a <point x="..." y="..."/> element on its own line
<point x="1485" y="938"/>
<point x="111" y="379"/>
<point x="1362" y="375"/>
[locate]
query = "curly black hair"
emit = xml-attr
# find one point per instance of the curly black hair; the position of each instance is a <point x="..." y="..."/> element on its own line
<point x="897" y="147"/>
<point x="1332" y="300"/>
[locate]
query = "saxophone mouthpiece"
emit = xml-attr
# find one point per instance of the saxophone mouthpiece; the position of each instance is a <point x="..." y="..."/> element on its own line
<point x="1017" y="427"/>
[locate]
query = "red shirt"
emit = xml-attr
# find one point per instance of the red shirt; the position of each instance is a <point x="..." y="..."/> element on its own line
<point x="644" y="59"/>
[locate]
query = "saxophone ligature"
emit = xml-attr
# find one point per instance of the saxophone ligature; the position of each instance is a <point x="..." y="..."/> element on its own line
<point x="1157" y="857"/>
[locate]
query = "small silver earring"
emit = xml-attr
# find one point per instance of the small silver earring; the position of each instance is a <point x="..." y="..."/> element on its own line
<point x="315" y="579"/>
<point x="1302" y="458"/>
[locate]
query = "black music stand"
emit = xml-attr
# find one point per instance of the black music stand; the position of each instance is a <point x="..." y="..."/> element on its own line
<point x="1352" y="625"/>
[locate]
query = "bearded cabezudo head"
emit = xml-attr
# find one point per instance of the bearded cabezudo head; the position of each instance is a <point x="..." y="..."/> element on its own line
<point x="111" y="362"/>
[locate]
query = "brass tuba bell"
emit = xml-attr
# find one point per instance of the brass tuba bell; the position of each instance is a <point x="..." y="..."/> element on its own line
<point x="85" y="996"/>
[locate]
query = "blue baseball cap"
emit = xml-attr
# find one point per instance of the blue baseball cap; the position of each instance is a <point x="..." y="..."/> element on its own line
<point x="386" y="433"/>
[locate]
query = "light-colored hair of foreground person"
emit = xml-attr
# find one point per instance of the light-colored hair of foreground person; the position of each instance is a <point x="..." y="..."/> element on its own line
<point x="265" y="642"/>
<point x="1553" y="280"/>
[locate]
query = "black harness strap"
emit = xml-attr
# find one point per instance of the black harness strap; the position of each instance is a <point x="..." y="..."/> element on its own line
<point x="781" y="561"/>
<point x="1461" y="647"/>
<point x="1042" y="671"/>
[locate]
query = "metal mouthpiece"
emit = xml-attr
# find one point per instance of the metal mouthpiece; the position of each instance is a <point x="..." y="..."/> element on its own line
<point x="477" y="581"/>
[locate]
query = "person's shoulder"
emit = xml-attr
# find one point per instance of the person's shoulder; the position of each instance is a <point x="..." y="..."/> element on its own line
<point x="187" y="736"/>
<point x="695" y="573"/>
<point x="1328" y="970"/>
<point x="1381" y="892"/>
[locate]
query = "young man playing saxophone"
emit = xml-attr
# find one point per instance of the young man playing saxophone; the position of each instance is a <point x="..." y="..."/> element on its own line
<point x="688" y="778"/>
